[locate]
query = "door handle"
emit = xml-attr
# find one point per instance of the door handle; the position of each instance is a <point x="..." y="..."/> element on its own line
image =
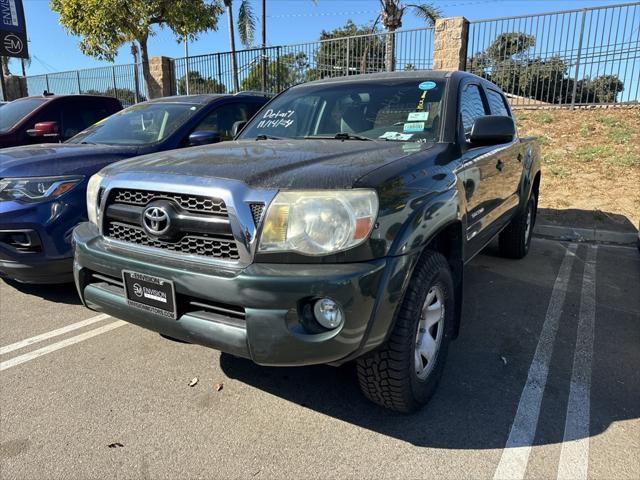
<point x="500" y="165"/>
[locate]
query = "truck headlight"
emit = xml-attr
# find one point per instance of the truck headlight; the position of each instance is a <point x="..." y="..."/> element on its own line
<point x="93" y="202"/>
<point x="36" y="189"/>
<point x="318" y="222"/>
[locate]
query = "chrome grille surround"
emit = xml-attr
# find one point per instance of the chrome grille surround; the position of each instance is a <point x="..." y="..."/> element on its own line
<point x="237" y="198"/>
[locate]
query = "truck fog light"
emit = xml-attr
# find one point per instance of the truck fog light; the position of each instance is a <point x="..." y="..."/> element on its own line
<point x="328" y="313"/>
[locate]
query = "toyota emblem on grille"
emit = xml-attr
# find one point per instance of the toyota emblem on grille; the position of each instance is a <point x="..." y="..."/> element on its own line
<point x="156" y="220"/>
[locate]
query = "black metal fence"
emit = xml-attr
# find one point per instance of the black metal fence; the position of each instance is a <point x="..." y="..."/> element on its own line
<point x="124" y="82"/>
<point x="288" y="65"/>
<point x="574" y="57"/>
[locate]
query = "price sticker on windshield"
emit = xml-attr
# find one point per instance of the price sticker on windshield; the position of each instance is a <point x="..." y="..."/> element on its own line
<point x="410" y="127"/>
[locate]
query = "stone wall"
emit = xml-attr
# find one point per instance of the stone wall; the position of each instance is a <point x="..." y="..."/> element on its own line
<point x="450" y="43"/>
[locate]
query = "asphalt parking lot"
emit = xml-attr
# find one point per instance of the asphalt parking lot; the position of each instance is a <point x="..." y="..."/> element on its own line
<point x="543" y="382"/>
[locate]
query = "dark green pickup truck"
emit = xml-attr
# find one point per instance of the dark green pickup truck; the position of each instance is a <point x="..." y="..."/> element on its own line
<point x="334" y="228"/>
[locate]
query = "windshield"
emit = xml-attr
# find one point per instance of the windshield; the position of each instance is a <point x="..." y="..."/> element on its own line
<point x="140" y="124"/>
<point x="15" y="111"/>
<point x="399" y="110"/>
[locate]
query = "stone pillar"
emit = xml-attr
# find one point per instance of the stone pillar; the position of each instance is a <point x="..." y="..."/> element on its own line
<point x="16" y="87"/>
<point x="162" y="77"/>
<point x="450" y="43"/>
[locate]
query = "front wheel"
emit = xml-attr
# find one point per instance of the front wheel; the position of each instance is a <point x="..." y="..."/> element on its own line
<point x="515" y="239"/>
<point x="403" y="374"/>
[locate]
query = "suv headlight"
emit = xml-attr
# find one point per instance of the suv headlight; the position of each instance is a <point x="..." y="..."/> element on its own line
<point x="93" y="202"/>
<point x="318" y="222"/>
<point x="36" y="189"/>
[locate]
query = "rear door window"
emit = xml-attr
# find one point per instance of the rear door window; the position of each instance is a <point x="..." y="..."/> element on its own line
<point x="472" y="106"/>
<point x="497" y="103"/>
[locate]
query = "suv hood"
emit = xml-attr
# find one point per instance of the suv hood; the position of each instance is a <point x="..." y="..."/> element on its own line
<point x="59" y="159"/>
<point x="277" y="163"/>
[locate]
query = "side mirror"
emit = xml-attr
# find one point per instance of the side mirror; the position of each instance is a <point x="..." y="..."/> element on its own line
<point x="237" y="126"/>
<point x="492" y="130"/>
<point x="44" y="130"/>
<point x="203" y="137"/>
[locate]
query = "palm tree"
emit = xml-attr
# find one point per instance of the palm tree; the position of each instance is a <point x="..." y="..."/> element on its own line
<point x="391" y="14"/>
<point x="246" y="30"/>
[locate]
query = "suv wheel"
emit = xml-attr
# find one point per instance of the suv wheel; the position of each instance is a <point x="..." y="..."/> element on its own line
<point x="402" y="375"/>
<point x="515" y="239"/>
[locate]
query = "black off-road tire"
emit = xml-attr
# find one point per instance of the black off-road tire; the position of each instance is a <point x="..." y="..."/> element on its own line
<point x="515" y="239"/>
<point x="387" y="375"/>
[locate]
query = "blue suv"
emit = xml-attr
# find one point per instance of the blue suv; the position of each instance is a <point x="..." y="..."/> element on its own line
<point x="43" y="187"/>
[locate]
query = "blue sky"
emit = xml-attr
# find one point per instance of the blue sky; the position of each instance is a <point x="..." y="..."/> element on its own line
<point x="288" y="21"/>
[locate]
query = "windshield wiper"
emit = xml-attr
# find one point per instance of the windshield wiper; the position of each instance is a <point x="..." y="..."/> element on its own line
<point x="262" y="136"/>
<point x="338" y="136"/>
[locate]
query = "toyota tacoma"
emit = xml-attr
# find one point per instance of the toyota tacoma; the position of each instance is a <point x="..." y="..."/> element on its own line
<point x="335" y="227"/>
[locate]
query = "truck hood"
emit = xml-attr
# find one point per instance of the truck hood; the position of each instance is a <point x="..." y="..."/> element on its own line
<point x="277" y="163"/>
<point x="59" y="159"/>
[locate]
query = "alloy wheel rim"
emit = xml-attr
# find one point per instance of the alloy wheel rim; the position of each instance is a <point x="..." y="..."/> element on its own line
<point x="430" y="331"/>
<point x="527" y="231"/>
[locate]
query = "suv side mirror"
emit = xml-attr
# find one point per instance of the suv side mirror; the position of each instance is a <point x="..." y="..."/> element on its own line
<point x="203" y="137"/>
<point x="44" y="130"/>
<point x="492" y="130"/>
<point x="237" y="126"/>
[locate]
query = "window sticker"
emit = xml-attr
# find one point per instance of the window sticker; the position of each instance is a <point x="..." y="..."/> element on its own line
<point x="421" y="102"/>
<point x="413" y="127"/>
<point x="427" y="85"/>
<point x="396" y="136"/>
<point x="273" y="119"/>
<point x="418" y="116"/>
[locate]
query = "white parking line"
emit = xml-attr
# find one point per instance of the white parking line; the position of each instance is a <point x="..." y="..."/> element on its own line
<point x="574" y="456"/>
<point x="515" y="455"/>
<point x="52" y="333"/>
<point x="61" y="344"/>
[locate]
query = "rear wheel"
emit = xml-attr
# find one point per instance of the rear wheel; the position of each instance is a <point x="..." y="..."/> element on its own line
<point x="514" y="241"/>
<point x="403" y="374"/>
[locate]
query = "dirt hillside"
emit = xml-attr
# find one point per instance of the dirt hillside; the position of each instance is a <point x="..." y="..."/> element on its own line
<point x="590" y="162"/>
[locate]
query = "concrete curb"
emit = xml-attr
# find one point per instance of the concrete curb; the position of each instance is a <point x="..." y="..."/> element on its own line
<point x="575" y="234"/>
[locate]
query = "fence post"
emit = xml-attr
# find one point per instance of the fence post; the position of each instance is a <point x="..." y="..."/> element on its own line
<point x="577" y="72"/>
<point x="46" y="81"/>
<point x="451" y="36"/>
<point x="113" y="76"/>
<point x="78" y="79"/>
<point x="348" y="54"/>
<point x="219" y="70"/>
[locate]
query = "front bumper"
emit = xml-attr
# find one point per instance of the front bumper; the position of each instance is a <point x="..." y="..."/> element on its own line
<point x="52" y="224"/>
<point x="269" y="331"/>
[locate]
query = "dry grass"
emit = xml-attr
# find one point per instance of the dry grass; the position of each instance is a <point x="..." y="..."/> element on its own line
<point x="590" y="159"/>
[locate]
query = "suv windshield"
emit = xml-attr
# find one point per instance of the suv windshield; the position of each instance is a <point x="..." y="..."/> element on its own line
<point x="400" y="110"/>
<point x="15" y="111"/>
<point x="140" y="124"/>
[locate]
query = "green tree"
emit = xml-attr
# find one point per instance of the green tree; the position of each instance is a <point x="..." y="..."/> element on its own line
<point x="507" y="62"/>
<point x="391" y="13"/>
<point x="199" y="84"/>
<point x="282" y="73"/>
<point x="361" y="54"/>
<point x="105" y="25"/>
<point x="246" y="30"/>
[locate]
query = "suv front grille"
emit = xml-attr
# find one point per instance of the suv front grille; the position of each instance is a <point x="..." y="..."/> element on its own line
<point x="194" y="233"/>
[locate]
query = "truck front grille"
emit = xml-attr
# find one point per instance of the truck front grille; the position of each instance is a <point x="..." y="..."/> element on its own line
<point x="191" y="245"/>
<point x="190" y="203"/>
<point x="193" y="233"/>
